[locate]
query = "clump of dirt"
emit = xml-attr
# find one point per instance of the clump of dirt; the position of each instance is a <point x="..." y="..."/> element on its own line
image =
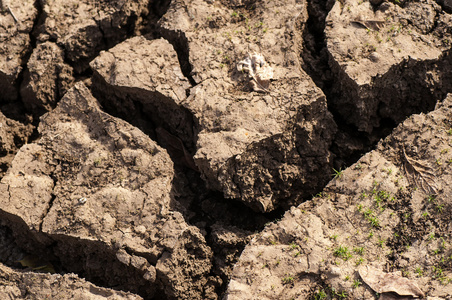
<point x="265" y="149"/>
<point x="389" y="61"/>
<point x="19" y="285"/>
<point x="388" y="211"/>
<point x="17" y="20"/>
<point x="95" y="25"/>
<point x="101" y="192"/>
<point x="13" y="135"/>
<point x="46" y="79"/>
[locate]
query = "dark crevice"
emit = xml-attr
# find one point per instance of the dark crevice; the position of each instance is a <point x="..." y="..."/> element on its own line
<point x="212" y="213"/>
<point x="200" y="206"/>
<point x="16" y="110"/>
<point x="157" y="9"/>
<point x="52" y="200"/>
<point x="350" y="142"/>
<point x="128" y="105"/>
<point x="49" y="207"/>
<point x="66" y="254"/>
<point x="180" y="44"/>
<point x="445" y="6"/>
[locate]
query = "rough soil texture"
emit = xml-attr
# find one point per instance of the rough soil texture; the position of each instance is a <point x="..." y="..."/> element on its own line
<point x="30" y="285"/>
<point x="389" y="60"/>
<point x="136" y="160"/>
<point x="266" y="149"/>
<point x="390" y="211"/>
<point x="13" y="135"/>
<point x="83" y="28"/>
<point x="148" y="72"/>
<point x="46" y="79"/>
<point x="15" y="44"/>
<point x="101" y="196"/>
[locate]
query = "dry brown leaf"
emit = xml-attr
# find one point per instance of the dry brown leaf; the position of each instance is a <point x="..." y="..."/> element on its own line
<point x="382" y="282"/>
<point x="370" y="24"/>
<point x="258" y="70"/>
<point x="420" y="174"/>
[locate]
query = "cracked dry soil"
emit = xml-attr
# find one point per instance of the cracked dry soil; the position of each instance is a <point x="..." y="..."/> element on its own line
<point x="137" y="162"/>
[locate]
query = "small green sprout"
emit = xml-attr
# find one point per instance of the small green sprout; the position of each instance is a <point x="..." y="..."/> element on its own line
<point x="320" y="295"/>
<point x="342" y="252"/>
<point x="358" y="250"/>
<point x="438" y="272"/>
<point x="337" y="173"/>
<point x="373" y="221"/>
<point x="97" y="162"/>
<point x="359" y="261"/>
<point x="287" y="279"/>
<point x="440" y="208"/>
<point x="356" y="283"/>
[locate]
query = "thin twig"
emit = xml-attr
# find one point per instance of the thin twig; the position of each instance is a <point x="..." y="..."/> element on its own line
<point x="12" y="14"/>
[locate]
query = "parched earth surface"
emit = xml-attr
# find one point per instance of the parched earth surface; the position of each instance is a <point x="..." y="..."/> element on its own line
<point x="225" y="149"/>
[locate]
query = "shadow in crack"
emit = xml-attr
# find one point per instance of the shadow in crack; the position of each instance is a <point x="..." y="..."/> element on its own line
<point x="409" y="87"/>
<point x="89" y="259"/>
<point x="227" y="224"/>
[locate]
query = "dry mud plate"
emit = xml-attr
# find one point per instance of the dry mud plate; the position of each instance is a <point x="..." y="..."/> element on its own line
<point x="225" y="149"/>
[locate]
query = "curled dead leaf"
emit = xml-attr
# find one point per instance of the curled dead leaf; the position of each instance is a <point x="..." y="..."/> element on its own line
<point x="259" y="71"/>
<point x="382" y="282"/>
<point x="420" y="174"/>
<point x="369" y="24"/>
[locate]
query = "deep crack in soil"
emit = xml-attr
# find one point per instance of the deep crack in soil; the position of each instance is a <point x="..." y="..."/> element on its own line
<point x="208" y="210"/>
